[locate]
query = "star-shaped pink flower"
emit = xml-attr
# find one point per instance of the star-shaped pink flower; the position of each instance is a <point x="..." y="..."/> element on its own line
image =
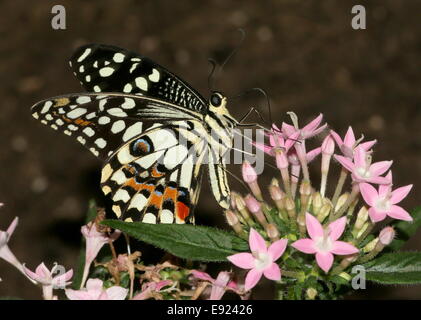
<point x="324" y="242"/>
<point x="383" y="202"/>
<point x="261" y="260"/>
<point x="361" y="168"/>
<point x="348" y="144"/>
<point x="308" y="131"/>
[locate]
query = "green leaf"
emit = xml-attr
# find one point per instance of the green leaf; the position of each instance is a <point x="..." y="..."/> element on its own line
<point x="185" y="241"/>
<point x="406" y="230"/>
<point x="395" y="268"/>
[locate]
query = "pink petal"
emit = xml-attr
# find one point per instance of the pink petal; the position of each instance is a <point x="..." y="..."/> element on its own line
<point x="265" y="148"/>
<point x="385" y="189"/>
<point x="349" y="139"/>
<point x="304" y="245"/>
<point x="316" y="132"/>
<point x="288" y="129"/>
<point x="369" y="193"/>
<point x="202" y="275"/>
<point x="256" y="242"/>
<point x="368" y="145"/>
<point x="273" y="272"/>
<point x="337" y="138"/>
<point x="31" y="274"/>
<point x="94" y="284"/>
<point x="378" y="180"/>
<point x="400" y="193"/>
<point x="42" y="271"/>
<point x="12" y="227"/>
<point x="242" y="260"/>
<point x="378" y="168"/>
<point x="324" y="260"/>
<point x="336" y="228"/>
<point x="313" y="154"/>
<point x="291" y="140"/>
<point x="252" y="278"/>
<point x="375" y="215"/>
<point x="345" y="162"/>
<point x="116" y="293"/>
<point x="277" y="249"/>
<point x="360" y="157"/>
<point x="399" y="213"/>
<point x="309" y="128"/>
<point x="61" y="280"/>
<point x="77" y="294"/>
<point x="314" y="228"/>
<point x="343" y="248"/>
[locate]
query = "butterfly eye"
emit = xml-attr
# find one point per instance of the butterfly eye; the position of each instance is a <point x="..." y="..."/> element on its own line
<point x="216" y="100"/>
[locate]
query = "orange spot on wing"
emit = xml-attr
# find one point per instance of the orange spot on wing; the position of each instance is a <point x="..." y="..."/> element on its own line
<point x="155" y="200"/>
<point x="138" y="186"/>
<point x="155" y="173"/>
<point x="182" y="210"/>
<point x="170" y="193"/>
<point x="82" y="122"/>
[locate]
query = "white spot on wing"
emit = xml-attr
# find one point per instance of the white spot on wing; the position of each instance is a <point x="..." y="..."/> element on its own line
<point x="83" y="99"/>
<point x="76" y="113"/>
<point x="84" y="54"/>
<point x="89" y="131"/>
<point x="133" y="130"/>
<point x="46" y="106"/>
<point x="118" y="57"/>
<point x="128" y="103"/>
<point x="118" y="126"/>
<point x="127" y="88"/>
<point x="121" y="194"/>
<point x="106" y="71"/>
<point x="149" y="218"/>
<point x="166" y="216"/>
<point x="101" y="143"/>
<point x="138" y="201"/>
<point x="103" y="120"/>
<point x="141" y="83"/>
<point x="154" y="76"/>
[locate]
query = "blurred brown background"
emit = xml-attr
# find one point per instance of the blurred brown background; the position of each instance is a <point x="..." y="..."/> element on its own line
<point x="303" y="53"/>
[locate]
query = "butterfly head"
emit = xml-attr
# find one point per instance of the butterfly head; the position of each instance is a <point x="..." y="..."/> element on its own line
<point x="218" y="106"/>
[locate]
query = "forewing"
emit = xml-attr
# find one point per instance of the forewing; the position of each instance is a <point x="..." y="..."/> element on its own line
<point x="104" y="68"/>
<point x="103" y="122"/>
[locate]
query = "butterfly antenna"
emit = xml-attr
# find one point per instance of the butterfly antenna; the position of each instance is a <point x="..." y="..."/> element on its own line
<point x="212" y="72"/>
<point x="233" y="52"/>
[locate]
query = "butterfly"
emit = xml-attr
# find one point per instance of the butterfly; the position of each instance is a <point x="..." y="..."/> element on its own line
<point x="151" y="129"/>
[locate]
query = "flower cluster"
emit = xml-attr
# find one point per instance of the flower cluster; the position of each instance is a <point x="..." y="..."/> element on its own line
<point x="302" y="218"/>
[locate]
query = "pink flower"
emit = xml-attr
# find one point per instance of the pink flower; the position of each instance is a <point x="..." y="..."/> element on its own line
<point x="220" y="285"/>
<point x="5" y="253"/>
<point x="149" y="288"/>
<point x="364" y="171"/>
<point x="95" y="240"/>
<point x="349" y="143"/>
<point x="261" y="260"/>
<point x="248" y="172"/>
<point x="310" y="130"/>
<point x="95" y="291"/>
<point x="279" y="143"/>
<point x="383" y="202"/>
<point x="323" y="242"/>
<point x="48" y="280"/>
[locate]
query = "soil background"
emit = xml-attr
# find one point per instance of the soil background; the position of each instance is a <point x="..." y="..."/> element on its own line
<point x="305" y="54"/>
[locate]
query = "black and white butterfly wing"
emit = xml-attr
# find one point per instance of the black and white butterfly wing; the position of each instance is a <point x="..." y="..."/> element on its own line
<point x="104" y="68"/>
<point x="142" y="158"/>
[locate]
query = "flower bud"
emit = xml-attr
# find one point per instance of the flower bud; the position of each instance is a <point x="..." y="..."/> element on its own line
<point x="328" y="145"/>
<point x="255" y="208"/>
<point x="324" y="212"/>
<point x="276" y="193"/>
<point x="371" y="245"/>
<point x="281" y="158"/>
<point x="250" y="177"/>
<point x="233" y="221"/>
<point x="341" y="201"/>
<point x="316" y="202"/>
<point x="387" y="235"/>
<point x="252" y="204"/>
<point x="311" y="293"/>
<point x="272" y="232"/>
<point x="241" y="207"/>
<point x="362" y="217"/>
<point x="248" y="172"/>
